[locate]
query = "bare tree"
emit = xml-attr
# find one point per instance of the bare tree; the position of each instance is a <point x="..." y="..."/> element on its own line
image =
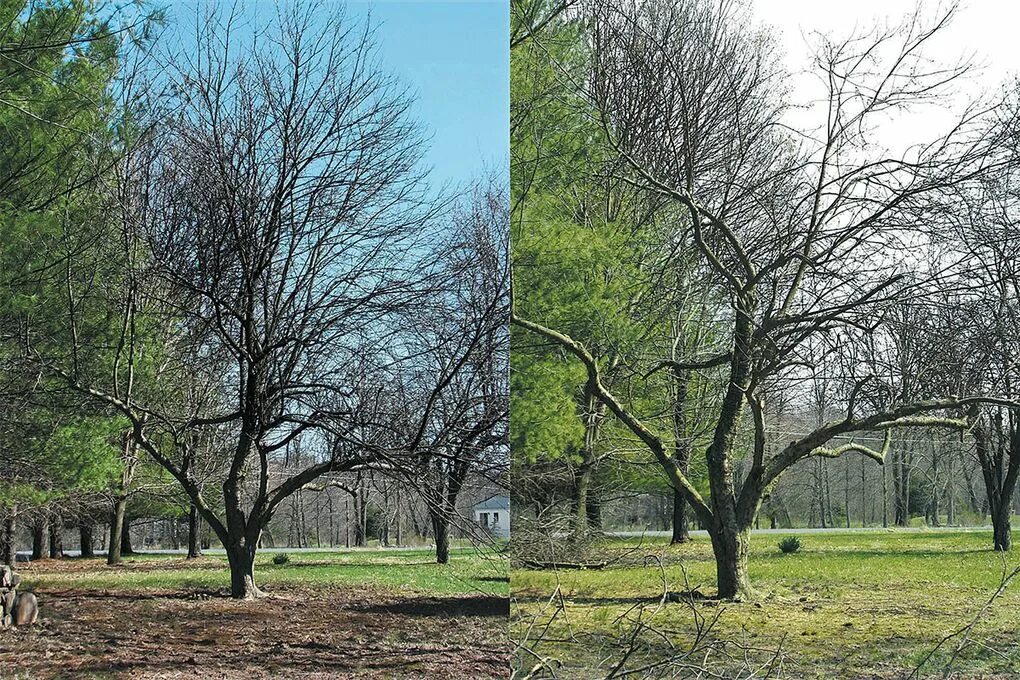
<point x="284" y="223"/>
<point x="804" y="234"/>
<point x="465" y="412"/>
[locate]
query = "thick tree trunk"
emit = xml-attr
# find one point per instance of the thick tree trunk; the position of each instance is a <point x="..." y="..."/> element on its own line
<point x="86" y="540"/>
<point x="360" y="532"/>
<point x="56" y="530"/>
<point x="998" y="452"/>
<point x="594" y="412"/>
<point x="241" y="558"/>
<point x="441" y="533"/>
<point x="730" y="546"/>
<point x="194" y="525"/>
<point x="113" y="553"/>
<point x="125" y="538"/>
<point x="1002" y="534"/>
<point x="38" y="540"/>
<point x="360" y="515"/>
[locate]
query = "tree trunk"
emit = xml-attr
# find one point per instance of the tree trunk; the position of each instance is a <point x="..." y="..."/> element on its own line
<point x="194" y="525"/>
<point x="681" y="528"/>
<point x="113" y="553"/>
<point x="9" y="554"/>
<point x="730" y="546"/>
<point x="846" y="492"/>
<point x="819" y="491"/>
<point x="400" y="521"/>
<point x="441" y="533"/>
<point x="56" y="530"/>
<point x="950" y="493"/>
<point x="360" y="523"/>
<point x="594" y="411"/>
<point x="885" y="497"/>
<point x="582" y="483"/>
<point x="864" y="494"/>
<point x="86" y="540"/>
<point x="38" y="540"/>
<point x="681" y="452"/>
<point x="241" y="558"/>
<point x="1002" y="534"/>
<point x="901" y="488"/>
<point x="593" y="509"/>
<point x="998" y="452"/>
<point x="125" y="538"/>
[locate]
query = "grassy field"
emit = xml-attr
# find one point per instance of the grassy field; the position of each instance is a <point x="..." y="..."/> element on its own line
<point x="847" y="605"/>
<point x="365" y="613"/>
<point x="407" y="570"/>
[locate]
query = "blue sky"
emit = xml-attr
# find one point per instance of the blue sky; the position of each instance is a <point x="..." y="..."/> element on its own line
<point x="454" y="56"/>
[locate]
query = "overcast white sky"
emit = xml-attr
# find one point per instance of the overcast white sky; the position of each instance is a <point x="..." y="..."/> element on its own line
<point x="987" y="30"/>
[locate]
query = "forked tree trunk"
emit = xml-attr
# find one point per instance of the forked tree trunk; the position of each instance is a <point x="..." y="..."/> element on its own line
<point x="360" y="525"/>
<point x="998" y="451"/>
<point x="86" y="539"/>
<point x="113" y="552"/>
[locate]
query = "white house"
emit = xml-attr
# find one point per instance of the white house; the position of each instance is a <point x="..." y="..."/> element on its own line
<point x="493" y="515"/>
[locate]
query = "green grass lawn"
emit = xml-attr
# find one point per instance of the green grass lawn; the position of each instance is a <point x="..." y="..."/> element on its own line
<point x="847" y="605"/>
<point x="410" y="571"/>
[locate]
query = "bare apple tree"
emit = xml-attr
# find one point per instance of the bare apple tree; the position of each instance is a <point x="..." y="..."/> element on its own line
<point x="806" y="233"/>
<point x="284" y="226"/>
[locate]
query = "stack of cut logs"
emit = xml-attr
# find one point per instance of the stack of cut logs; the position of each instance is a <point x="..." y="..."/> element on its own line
<point x="16" y="609"/>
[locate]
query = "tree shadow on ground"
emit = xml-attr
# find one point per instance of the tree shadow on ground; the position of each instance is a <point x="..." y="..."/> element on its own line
<point x="478" y="605"/>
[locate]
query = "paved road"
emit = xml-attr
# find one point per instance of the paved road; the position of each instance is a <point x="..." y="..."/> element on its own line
<point x="835" y="530"/>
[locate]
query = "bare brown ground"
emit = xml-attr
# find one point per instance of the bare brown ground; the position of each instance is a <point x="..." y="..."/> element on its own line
<point x="294" y="632"/>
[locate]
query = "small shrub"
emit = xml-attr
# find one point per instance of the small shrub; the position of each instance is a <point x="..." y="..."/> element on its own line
<point x="281" y="558"/>
<point x="790" y="544"/>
